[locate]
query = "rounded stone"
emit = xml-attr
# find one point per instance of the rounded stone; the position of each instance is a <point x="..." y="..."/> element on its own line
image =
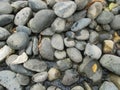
<point x="69" y="42"/>
<point x="64" y="9"/>
<point x="77" y="88"/>
<point x="38" y="86"/>
<point x="18" y="40"/>
<point x="105" y="17"/>
<point x="40" y="77"/>
<point x="4" y="34"/>
<point x="60" y="54"/>
<point x="23" y="16"/>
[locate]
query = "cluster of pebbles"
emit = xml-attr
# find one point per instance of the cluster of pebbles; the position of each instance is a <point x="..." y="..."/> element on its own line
<point x="60" y="44"/>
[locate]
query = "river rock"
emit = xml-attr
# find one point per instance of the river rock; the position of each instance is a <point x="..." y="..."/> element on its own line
<point x="74" y="54"/>
<point x="23" y="16"/>
<point x="37" y="5"/>
<point x="8" y="80"/>
<point x="77" y="88"/>
<point x="111" y="62"/>
<point x="18" y="40"/>
<point x="35" y="65"/>
<point x="46" y="50"/>
<point x="6" y="8"/>
<point x="38" y="24"/>
<point x="80" y="24"/>
<point x="108" y="86"/>
<point x="93" y="51"/>
<point x="60" y="54"/>
<point x="6" y="19"/>
<point x="57" y="42"/>
<point x="40" y="77"/>
<point x="38" y="86"/>
<point x="4" y="52"/>
<point x="64" y="9"/>
<point x="69" y="42"/>
<point x="4" y="34"/>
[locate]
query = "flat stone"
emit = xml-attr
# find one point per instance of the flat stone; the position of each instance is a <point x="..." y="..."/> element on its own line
<point x="80" y="45"/>
<point x="4" y="52"/>
<point x="35" y="48"/>
<point x="69" y="42"/>
<point x="4" y="34"/>
<point x="70" y="77"/>
<point x="77" y="88"/>
<point x="108" y="86"/>
<point x="47" y="32"/>
<point x="37" y="5"/>
<point x="64" y="9"/>
<point x="40" y="77"/>
<point x="111" y="62"/>
<point x="105" y="17"/>
<point x="58" y="25"/>
<point x="57" y="42"/>
<point x="6" y="8"/>
<point x="38" y="86"/>
<point x="8" y="80"/>
<point x="53" y="74"/>
<point x="74" y="54"/>
<point x="115" y="23"/>
<point x="80" y="24"/>
<point x="64" y="64"/>
<point x="6" y="19"/>
<point x="93" y="51"/>
<point x="18" y="40"/>
<point x="22" y="79"/>
<point x="46" y="50"/>
<point x="93" y="37"/>
<point x="94" y="10"/>
<point x="42" y="20"/>
<point x="23" y="16"/>
<point x="60" y="54"/>
<point x="81" y="4"/>
<point x="25" y="29"/>
<point x="35" y="65"/>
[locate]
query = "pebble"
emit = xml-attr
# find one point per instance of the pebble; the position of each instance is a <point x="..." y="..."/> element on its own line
<point x="23" y="16"/>
<point x="4" y="52"/>
<point x="87" y="86"/>
<point x="6" y="19"/>
<point x="82" y="35"/>
<point x="71" y="76"/>
<point x="111" y="62"/>
<point x="2" y="43"/>
<point x="108" y="86"/>
<point x="93" y="51"/>
<point x="80" y="24"/>
<point x="64" y="9"/>
<point x="17" y="5"/>
<point x="46" y="50"/>
<point x="38" y="24"/>
<point x="53" y="74"/>
<point x="93" y="24"/>
<point x="115" y="23"/>
<point x="69" y="42"/>
<point x="18" y="40"/>
<point x="9" y="81"/>
<point x="70" y="34"/>
<point x="81" y="4"/>
<point x="40" y="77"/>
<point x="105" y="17"/>
<point x="94" y="10"/>
<point x="64" y="64"/>
<point x="38" y="86"/>
<point x="115" y="79"/>
<point x="6" y="8"/>
<point x="108" y="46"/>
<point x="60" y="54"/>
<point x="53" y="88"/>
<point x="20" y="69"/>
<point x="57" y="42"/>
<point x="58" y="25"/>
<point x="35" y="65"/>
<point x="25" y="29"/>
<point x="29" y="48"/>
<point x="91" y="69"/>
<point x="47" y="32"/>
<point x="80" y="45"/>
<point x="37" y="5"/>
<point x="35" y="46"/>
<point x="105" y="36"/>
<point x="74" y="54"/>
<point x="77" y="88"/>
<point x="4" y="34"/>
<point x="10" y="59"/>
<point x="22" y="79"/>
<point x="50" y="2"/>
